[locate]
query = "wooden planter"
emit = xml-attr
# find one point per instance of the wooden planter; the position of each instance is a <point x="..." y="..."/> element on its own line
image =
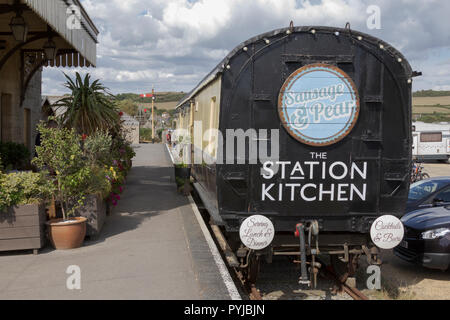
<point x="95" y="212"/>
<point x="22" y="228"/>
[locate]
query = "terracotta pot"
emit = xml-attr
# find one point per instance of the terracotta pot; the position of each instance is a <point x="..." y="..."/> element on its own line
<point x="69" y="235"/>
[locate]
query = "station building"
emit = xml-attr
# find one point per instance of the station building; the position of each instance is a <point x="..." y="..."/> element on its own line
<point x="35" y="34"/>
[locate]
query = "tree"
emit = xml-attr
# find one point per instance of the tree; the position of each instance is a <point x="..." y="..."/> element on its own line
<point x="90" y="107"/>
<point x="128" y="106"/>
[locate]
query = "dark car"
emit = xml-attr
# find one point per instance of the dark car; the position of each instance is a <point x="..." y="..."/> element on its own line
<point x="427" y="224"/>
<point x="429" y="193"/>
<point x="427" y="237"/>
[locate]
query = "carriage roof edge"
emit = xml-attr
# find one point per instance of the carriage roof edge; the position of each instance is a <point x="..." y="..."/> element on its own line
<point x="306" y="29"/>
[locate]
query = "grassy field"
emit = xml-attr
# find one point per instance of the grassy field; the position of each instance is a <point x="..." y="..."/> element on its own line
<point x="429" y="101"/>
<point x="431" y="109"/>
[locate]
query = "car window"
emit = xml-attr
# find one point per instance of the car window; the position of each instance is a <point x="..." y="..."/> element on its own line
<point x="443" y="196"/>
<point x="424" y="188"/>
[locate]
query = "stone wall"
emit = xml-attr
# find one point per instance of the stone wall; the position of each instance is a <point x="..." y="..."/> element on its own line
<point x="12" y="111"/>
<point x="33" y="102"/>
<point x="132" y="133"/>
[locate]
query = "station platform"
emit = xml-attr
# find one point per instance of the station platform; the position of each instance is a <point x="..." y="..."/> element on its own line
<point x="153" y="246"/>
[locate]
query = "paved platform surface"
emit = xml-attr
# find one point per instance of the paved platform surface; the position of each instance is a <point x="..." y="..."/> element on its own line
<point x="151" y="247"/>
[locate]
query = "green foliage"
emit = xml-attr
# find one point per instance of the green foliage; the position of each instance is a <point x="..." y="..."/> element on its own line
<point x="160" y="97"/>
<point x="23" y="188"/>
<point x="129" y="152"/>
<point x="145" y="134"/>
<point x="128" y="106"/>
<point x="435" y="117"/>
<point x="159" y="133"/>
<point x="90" y="107"/>
<point x="97" y="149"/>
<point x="15" y="156"/>
<point x="180" y="181"/>
<point x="431" y="93"/>
<point x="61" y="153"/>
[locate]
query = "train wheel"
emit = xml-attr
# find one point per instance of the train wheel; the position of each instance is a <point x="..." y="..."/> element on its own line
<point x="343" y="270"/>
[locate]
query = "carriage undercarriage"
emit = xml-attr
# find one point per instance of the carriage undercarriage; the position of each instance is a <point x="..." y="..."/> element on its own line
<point x="343" y="257"/>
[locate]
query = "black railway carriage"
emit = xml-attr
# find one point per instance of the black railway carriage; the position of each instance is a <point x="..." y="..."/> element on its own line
<point x="341" y="102"/>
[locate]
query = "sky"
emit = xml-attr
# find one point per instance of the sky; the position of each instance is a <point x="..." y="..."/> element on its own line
<point x="173" y="44"/>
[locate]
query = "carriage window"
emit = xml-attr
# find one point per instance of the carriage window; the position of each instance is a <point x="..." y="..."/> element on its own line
<point x="424" y="188"/>
<point x="431" y="137"/>
<point x="443" y="196"/>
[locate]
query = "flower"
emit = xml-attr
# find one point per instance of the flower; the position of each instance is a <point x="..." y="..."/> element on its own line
<point x="120" y="113"/>
<point x="83" y="136"/>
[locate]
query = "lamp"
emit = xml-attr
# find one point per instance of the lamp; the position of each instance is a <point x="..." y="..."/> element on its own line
<point x="19" y="27"/>
<point x="50" y="49"/>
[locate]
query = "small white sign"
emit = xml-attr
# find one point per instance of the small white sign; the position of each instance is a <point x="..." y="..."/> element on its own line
<point x="257" y="232"/>
<point x="387" y="232"/>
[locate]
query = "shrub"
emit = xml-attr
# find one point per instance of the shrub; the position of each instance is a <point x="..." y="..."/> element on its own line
<point x="97" y="149"/>
<point x="145" y="134"/>
<point x="14" y="155"/>
<point x="24" y="188"/>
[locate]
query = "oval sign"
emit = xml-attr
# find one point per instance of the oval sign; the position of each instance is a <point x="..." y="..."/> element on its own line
<point x="257" y="232"/>
<point x="319" y="104"/>
<point x="387" y="232"/>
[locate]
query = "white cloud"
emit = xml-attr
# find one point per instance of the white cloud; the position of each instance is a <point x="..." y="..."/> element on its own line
<point x="172" y="44"/>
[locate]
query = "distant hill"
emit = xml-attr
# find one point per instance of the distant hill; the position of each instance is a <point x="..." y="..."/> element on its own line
<point x="161" y="97"/>
<point x="159" y="105"/>
<point x="431" y="93"/>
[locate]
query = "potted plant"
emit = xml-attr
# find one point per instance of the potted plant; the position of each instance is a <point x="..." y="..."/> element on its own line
<point x="22" y="210"/>
<point x="97" y="152"/>
<point x="182" y="171"/>
<point x="61" y="153"/>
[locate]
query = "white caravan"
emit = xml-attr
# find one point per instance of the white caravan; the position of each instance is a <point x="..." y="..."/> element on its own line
<point x="431" y="141"/>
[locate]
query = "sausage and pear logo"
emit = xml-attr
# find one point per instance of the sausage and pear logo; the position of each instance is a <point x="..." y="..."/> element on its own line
<point x="319" y="104"/>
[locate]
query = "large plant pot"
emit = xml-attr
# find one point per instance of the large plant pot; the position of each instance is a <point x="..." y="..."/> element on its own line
<point x="94" y="211"/>
<point x="182" y="173"/>
<point x="22" y="228"/>
<point x="67" y="235"/>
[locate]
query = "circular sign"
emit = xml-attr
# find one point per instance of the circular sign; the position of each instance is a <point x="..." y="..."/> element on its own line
<point x="257" y="232"/>
<point x="387" y="232"/>
<point x="319" y="104"/>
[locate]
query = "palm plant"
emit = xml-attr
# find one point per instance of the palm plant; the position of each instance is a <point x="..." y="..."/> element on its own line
<point x="90" y="107"/>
